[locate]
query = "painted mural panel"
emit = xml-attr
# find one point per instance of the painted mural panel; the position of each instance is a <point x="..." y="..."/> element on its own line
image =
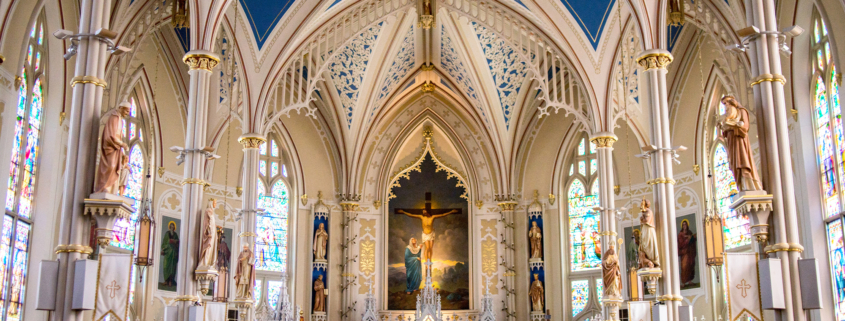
<point x="688" y="251"/>
<point x="169" y="253"/>
<point x="428" y="219"/>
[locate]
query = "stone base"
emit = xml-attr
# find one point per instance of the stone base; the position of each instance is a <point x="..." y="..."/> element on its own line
<point x="538" y="316"/>
<point x="318" y="265"/>
<point x="535" y="264"/>
<point x="650" y="276"/>
<point x="205" y="274"/>
<point x="613" y="303"/>
<point x="758" y="205"/>
<point x="318" y="316"/>
<point x="106" y="208"/>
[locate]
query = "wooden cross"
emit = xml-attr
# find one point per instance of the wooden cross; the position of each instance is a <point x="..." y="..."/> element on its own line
<point x="427" y="209"/>
<point x="744" y="286"/>
<point x="113" y="286"/>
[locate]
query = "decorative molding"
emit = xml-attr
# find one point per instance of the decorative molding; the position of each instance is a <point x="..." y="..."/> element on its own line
<point x="415" y="166"/>
<point x="655" y="60"/>
<point x="201" y="61"/>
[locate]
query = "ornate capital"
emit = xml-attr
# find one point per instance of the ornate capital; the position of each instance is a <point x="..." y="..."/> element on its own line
<point x="349" y="207"/>
<point x="428" y="87"/>
<point x="603" y="141"/>
<point x="507" y="206"/>
<point x="251" y="141"/>
<point x="426" y="21"/>
<point x="655" y="60"/>
<point x="201" y="61"/>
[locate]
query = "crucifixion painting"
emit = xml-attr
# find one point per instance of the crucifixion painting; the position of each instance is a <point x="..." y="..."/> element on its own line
<point x="427" y="215"/>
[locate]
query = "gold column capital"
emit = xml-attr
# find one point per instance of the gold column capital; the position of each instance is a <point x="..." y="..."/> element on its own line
<point x="88" y="80"/>
<point x="603" y="141"/>
<point x="426" y="21"/>
<point x="655" y="60"/>
<point x="201" y="61"/>
<point x="507" y="206"/>
<point x="349" y="206"/>
<point x="251" y="141"/>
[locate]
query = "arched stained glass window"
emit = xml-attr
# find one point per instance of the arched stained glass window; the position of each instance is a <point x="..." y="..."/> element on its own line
<point x="132" y="180"/>
<point x="272" y="225"/>
<point x="20" y="188"/>
<point x="830" y="148"/>
<point x="736" y="227"/>
<point x="580" y="296"/>
<point x="584" y="232"/>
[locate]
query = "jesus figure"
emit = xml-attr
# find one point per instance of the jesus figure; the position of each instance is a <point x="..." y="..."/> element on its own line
<point x="427" y="217"/>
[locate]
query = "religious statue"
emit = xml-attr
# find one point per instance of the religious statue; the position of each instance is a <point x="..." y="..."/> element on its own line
<point x="735" y="124"/>
<point x="124" y="174"/>
<point x="112" y="149"/>
<point x="648" y="253"/>
<point x="413" y="266"/>
<point x="633" y="249"/>
<point x="208" y="234"/>
<point x="536" y="293"/>
<point x="245" y="273"/>
<point x="427" y="7"/>
<point x="223" y="251"/>
<point x="321" y="239"/>
<point x="611" y="277"/>
<point x="320" y="294"/>
<point x="427" y="217"/>
<point x="535" y="235"/>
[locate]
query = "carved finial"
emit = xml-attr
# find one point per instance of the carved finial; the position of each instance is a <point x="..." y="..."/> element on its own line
<point x="427" y="132"/>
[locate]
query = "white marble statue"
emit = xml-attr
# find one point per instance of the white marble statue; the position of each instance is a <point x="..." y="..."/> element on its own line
<point x="208" y="234"/>
<point x="649" y="255"/>
<point x="321" y="239"/>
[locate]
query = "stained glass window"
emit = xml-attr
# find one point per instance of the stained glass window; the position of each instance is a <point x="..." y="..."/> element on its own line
<point x="20" y="188"/>
<point x="736" y="227"/>
<point x="580" y="296"/>
<point x="584" y="232"/>
<point x="272" y="225"/>
<point x="830" y="146"/>
<point x="133" y="179"/>
<point x="273" y="289"/>
<point x="257" y="290"/>
<point x="599" y="289"/>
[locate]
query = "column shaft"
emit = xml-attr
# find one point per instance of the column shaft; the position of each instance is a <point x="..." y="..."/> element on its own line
<point x="249" y="201"/>
<point x="349" y="209"/>
<point x="604" y="148"/>
<point x="84" y="123"/>
<point x="507" y="208"/>
<point x="655" y="63"/>
<point x="201" y="64"/>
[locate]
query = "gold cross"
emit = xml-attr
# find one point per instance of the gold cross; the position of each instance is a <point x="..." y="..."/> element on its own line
<point x="744" y="286"/>
<point x="112" y="288"/>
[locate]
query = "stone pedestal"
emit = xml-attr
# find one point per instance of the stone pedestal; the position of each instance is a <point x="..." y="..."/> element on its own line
<point x="650" y="276"/>
<point x="318" y="316"/>
<point x="612" y="303"/>
<point x="538" y="316"/>
<point x="758" y="206"/>
<point x="204" y="274"/>
<point x="106" y="209"/>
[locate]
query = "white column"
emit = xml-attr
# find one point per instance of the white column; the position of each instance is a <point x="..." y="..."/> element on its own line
<point x="201" y="64"/>
<point x="604" y="149"/>
<point x="249" y="200"/>
<point x="84" y="123"/>
<point x="767" y="84"/>
<point x="507" y="205"/>
<point x="654" y="63"/>
<point x="349" y="206"/>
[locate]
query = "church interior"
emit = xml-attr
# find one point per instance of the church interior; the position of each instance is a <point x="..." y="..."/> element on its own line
<point x="437" y="160"/>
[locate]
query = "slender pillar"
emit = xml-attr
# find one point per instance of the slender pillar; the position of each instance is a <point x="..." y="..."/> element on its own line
<point x="654" y="63"/>
<point x="349" y="207"/>
<point x="604" y="148"/>
<point x="768" y="83"/>
<point x="84" y="122"/>
<point x="201" y="64"/>
<point x="249" y="201"/>
<point x="507" y="205"/>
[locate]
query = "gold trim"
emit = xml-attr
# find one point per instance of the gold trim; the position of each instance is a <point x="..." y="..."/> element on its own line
<point x="88" y="80"/>
<point x="251" y="141"/>
<point x="427" y="67"/>
<point x="608" y="233"/>
<point x="428" y="87"/>
<point x="661" y="180"/>
<point x="426" y="21"/>
<point x="657" y="60"/>
<point x="192" y="181"/>
<point x="74" y="248"/>
<point x="201" y="61"/>
<point x="247" y="234"/>
<point x="191" y="298"/>
<point x="349" y="207"/>
<point x="508" y="206"/>
<point x="603" y="141"/>
<point x="768" y="78"/>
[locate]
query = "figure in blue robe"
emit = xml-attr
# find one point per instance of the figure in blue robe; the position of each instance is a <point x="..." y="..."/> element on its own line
<point x="413" y="266"/>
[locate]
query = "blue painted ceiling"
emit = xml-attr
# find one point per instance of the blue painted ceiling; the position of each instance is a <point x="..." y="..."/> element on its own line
<point x="263" y="15"/>
<point x="591" y="15"/>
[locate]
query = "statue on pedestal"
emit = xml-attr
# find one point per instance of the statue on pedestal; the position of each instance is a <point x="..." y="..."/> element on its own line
<point x="321" y="239"/>
<point x="735" y="123"/>
<point x="112" y="149"/>
<point x="319" y="295"/>
<point x="537" y="294"/>
<point x="245" y="274"/>
<point x="535" y="235"/>
<point x="649" y="257"/>
<point x="208" y="234"/>
<point x="611" y="277"/>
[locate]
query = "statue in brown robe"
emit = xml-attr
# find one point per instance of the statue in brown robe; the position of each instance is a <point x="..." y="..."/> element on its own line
<point x="537" y="294"/>
<point x="245" y="274"/>
<point x="208" y="234"/>
<point x="319" y="295"/>
<point x="735" y="127"/>
<point x="535" y="236"/>
<point x="112" y="149"/>
<point x="611" y="277"/>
